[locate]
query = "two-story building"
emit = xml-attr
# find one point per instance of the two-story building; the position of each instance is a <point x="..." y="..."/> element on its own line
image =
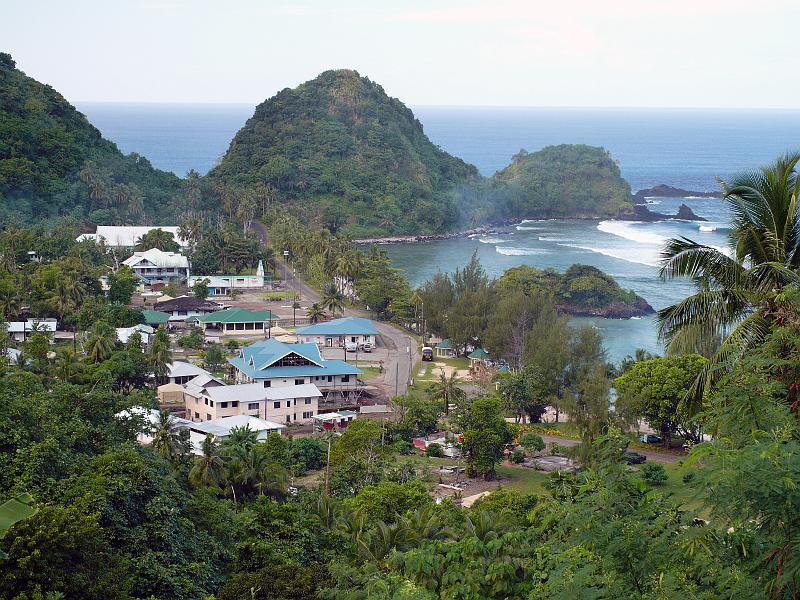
<point x="223" y="285"/>
<point x="271" y="363"/>
<point x="155" y="265"/>
<point x="183" y="307"/>
<point x="289" y="404"/>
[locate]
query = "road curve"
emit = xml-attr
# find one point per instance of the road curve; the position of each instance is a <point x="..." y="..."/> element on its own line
<point x="403" y="351"/>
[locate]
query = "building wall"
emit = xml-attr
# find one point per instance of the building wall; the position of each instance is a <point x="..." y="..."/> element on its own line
<point x="288" y="411"/>
<point x="337" y="341"/>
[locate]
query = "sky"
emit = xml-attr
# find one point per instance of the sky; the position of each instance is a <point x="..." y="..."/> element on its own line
<point x="631" y="53"/>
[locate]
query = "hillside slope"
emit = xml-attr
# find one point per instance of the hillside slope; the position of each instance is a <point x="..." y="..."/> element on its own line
<point x="345" y="155"/>
<point x="565" y="181"/>
<point x="53" y="162"/>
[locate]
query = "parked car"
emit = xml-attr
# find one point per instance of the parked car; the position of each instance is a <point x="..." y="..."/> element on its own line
<point x="367" y="347"/>
<point x="351" y="347"/>
<point x="634" y="458"/>
<point x="649" y="438"/>
<point x="427" y="353"/>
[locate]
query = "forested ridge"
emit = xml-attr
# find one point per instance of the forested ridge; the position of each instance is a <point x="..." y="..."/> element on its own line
<point x="53" y="162"/>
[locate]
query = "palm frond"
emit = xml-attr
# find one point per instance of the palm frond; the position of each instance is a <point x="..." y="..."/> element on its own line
<point x="716" y="308"/>
<point x="683" y="257"/>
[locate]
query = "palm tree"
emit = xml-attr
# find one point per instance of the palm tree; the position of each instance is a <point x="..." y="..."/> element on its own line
<point x="159" y="356"/>
<point x="447" y="389"/>
<point x="9" y="302"/>
<point x="167" y="437"/>
<point x="241" y="437"/>
<point x="316" y="312"/>
<point x="737" y="293"/>
<point x="67" y="364"/>
<point x="100" y="342"/>
<point x="208" y="469"/>
<point x="332" y="298"/>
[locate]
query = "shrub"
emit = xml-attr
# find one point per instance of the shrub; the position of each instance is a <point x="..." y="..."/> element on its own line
<point x="517" y="456"/>
<point x="558" y="450"/>
<point x="402" y="447"/>
<point x="434" y="450"/>
<point x="532" y="442"/>
<point x="654" y="473"/>
<point x="688" y="477"/>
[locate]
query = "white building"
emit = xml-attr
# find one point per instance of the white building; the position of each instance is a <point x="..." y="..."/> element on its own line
<point x="156" y="265"/>
<point x="221" y="429"/>
<point x="21" y="330"/>
<point x="124" y="333"/>
<point x="182" y="372"/>
<point x="289" y="404"/>
<point x="126" y="236"/>
<point x="222" y="285"/>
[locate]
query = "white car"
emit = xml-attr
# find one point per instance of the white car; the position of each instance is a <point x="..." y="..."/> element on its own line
<point x="351" y="347"/>
<point x="367" y="347"/>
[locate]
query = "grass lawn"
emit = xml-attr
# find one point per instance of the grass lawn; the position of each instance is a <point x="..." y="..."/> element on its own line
<point x="278" y="296"/>
<point x="369" y="372"/>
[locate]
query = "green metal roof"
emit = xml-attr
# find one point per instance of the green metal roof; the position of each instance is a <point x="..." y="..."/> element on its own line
<point x="236" y="315"/>
<point x="155" y="317"/>
<point x="478" y="354"/>
<point x="446" y="344"/>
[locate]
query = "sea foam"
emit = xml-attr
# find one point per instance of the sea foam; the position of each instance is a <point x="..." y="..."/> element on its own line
<point x="627" y="230"/>
<point x="510" y="251"/>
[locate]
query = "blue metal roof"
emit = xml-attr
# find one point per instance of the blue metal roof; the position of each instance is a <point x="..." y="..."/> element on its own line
<point x="256" y="360"/>
<point x="344" y="326"/>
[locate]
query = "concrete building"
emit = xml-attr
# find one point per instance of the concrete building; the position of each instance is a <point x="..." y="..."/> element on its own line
<point x="126" y="236"/>
<point x="155" y="265"/>
<point x="271" y="363"/>
<point x="223" y="285"/>
<point x="336" y="333"/>
<point x="290" y="404"/>
<point x="125" y="333"/>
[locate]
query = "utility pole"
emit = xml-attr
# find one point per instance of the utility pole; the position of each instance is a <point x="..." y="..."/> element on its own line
<point x="396" y="376"/>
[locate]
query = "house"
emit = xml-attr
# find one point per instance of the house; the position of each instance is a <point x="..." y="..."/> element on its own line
<point x="478" y="358"/>
<point x="288" y="404"/>
<point x="181" y="308"/>
<point x="154" y="318"/>
<point x="271" y="363"/>
<point x="21" y="330"/>
<point x="335" y="333"/>
<point x="151" y="418"/>
<point x="182" y="371"/>
<point x="223" y="285"/>
<point x="221" y="429"/>
<point x="449" y="449"/>
<point x="126" y="236"/>
<point x="124" y="333"/>
<point x="334" y="420"/>
<point x="157" y="266"/>
<point x="445" y="349"/>
<point x="236" y="321"/>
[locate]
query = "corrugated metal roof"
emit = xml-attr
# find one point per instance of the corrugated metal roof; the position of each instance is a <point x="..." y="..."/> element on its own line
<point x="237" y="315"/>
<point x="159" y="258"/>
<point x="343" y="326"/>
<point x="155" y="317"/>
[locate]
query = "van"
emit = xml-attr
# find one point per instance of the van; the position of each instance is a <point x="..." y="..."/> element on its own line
<point x="427" y="353"/>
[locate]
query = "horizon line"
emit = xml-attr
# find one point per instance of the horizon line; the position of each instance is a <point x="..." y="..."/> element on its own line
<point x="464" y="106"/>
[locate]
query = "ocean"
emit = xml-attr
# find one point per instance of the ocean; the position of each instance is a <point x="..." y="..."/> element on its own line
<point x="681" y="147"/>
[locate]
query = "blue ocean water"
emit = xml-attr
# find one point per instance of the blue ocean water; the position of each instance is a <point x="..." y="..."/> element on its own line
<point x="684" y="148"/>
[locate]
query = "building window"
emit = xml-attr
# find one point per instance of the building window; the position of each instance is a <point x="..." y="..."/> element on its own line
<point x="276" y="405"/>
<point x="206" y="399"/>
<point x="295" y="416"/>
<point x="308" y="415"/>
<point x="211" y="403"/>
<point x="330" y="378"/>
<point x="196" y="415"/>
<point x="223" y="405"/>
<point x="208" y="416"/>
<point x="308" y="400"/>
<point x="345" y="378"/>
<point x="235" y="404"/>
<point x="299" y="381"/>
<point x="288" y="418"/>
<point x="267" y="383"/>
<point x="295" y="401"/>
<point x="288" y="404"/>
<point x="252" y="406"/>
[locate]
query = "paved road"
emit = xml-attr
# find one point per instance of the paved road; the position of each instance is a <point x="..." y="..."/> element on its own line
<point x="662" y="457"/>
<point x="403" y="351"/>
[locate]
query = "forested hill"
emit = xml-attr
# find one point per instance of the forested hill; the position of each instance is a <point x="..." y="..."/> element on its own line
<point x="345" y="155"/>
<point x="565" y="181"/>
<point x="54" y="162"/>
